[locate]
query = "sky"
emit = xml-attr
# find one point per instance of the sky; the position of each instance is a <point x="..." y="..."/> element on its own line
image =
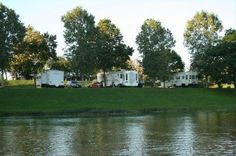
<point x="127" y="15"/>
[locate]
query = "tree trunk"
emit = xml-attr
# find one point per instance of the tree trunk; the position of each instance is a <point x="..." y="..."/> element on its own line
<point x="77" y="75"/>
<point x="2" y="79"/>
<point x="219" y="85"/>
<point x="5" y="75"/>
<point x="89" y="77"/>
<point x="35" y="80"/>
<point x="235" y="84"/>
<point x="153" y="84"/>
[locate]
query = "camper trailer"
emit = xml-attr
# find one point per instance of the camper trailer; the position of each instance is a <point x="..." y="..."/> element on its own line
<point x="181" y="79"/>
<point x="50" y="78"/>
<point x="184" y="79"/>
<point x="119" y="78"/>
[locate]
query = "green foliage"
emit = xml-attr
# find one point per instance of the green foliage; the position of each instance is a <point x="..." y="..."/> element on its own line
<point x="59" y="64"/>
<point x="155" y="43"/>
<point x="90" y="47"/>
<point x="137" y="66"/>
<point x="175" y="64"/>
<point x="11" y="33"/>
<point x="154" y="37"/>
<point x="111" y="52"/>
<point x="230" y="35"/>
<point x="219" y="62"/>
<point x="201" y="33"/>
<point x="80" y="36"/>
<point x="33" y="52"/>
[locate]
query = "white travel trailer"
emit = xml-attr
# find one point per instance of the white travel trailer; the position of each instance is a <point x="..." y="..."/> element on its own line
<point x="126" y="78"/>
<point x="181" y="79"/>
<point x="50" y="78"/>
<point x="185" y="79"/>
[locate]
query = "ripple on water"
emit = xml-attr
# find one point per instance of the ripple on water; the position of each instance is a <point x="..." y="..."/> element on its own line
<point x="194" y="133"/>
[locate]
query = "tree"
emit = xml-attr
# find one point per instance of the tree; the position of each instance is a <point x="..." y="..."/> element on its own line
<point x="230" y="35"/>
<point x="219" y="61"/>
<point x="60" y="63"/>
<point x="11" y="33"/>
<point x="175" y="62"/>
<point x="111" y="52"/>
<point x="155" y="43"/>
<point x="137" y="66"/>
<point x="80" y="35"/>
<point x="33" y="53"/>
<point x="201" y="33"/>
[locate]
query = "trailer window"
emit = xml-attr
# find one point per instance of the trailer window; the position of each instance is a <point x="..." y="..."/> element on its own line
<point x="177" y="77"/>
<point x="186" y="77"/>
<point x="190" y="76"/>
<point x="121" y="76"/>
<point x="126" y="77"/>
<point x="182" y="77"/>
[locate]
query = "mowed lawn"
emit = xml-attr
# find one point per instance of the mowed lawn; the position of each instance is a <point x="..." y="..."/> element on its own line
<point x="17" y="101"/>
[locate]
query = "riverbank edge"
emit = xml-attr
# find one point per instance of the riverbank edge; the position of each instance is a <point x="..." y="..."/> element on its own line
<point x="110" y="113"/>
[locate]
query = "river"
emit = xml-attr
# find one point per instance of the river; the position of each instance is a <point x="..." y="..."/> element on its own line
<point x="165" y="133"/>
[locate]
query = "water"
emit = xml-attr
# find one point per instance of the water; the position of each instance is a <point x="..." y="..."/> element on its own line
<point x="197" y="133"/>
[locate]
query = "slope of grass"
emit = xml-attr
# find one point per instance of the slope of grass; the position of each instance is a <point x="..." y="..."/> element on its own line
<point x="20" y="83"/>
<point x="15" y="101"/>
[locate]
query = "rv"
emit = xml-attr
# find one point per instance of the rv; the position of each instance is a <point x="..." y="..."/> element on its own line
<point x="185" y="79"/>
<point x="50" y="78"/>
<point x="181" y="79"/>
<point x="125" y="78"/>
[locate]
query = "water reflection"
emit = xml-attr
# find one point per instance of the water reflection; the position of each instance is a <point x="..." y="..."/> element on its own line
<point x="136" y="137"/>
<point x="210" y="133"/>
<point x="183" y="138"/>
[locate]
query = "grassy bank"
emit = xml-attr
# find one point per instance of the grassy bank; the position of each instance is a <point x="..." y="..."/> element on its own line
<point x="30" y="101"/>
<point x="20" y="83"/>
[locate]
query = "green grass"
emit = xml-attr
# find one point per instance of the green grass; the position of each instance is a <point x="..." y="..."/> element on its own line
<point x="17" y="100"/>
<point x="20" y="83"/>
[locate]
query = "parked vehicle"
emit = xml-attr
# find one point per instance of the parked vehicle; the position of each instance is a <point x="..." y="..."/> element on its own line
<point x="73" y="84"/>
<point x="95" y="85"/>
<point x="185" y="79"/>
<point x="50" y="78"/>
<point x="181" y="79"/>
<point x="126" y="78"/>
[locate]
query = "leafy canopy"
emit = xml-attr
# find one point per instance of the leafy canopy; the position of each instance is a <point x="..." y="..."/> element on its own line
<point x="80" y="36"/>
<point x="112" y="52"/>
<point x="155" y="43"/>
<point x="201" y="33"/>
<point x="11" y="33"/>
<point x="220" y="60"/>
<point x="33" y="52"/>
